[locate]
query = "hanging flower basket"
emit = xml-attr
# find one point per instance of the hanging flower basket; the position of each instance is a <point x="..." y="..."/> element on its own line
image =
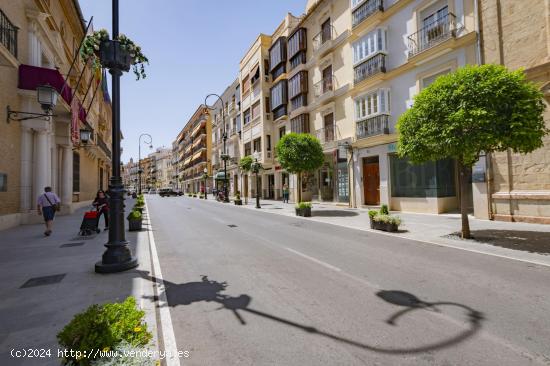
<point x="121" y="53"/>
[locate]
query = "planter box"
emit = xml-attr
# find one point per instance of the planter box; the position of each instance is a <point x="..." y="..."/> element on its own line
<point x="140" y="209"/>
<point x="134" y="225"/>
<point x="112" y="56"/>
<point x="304" y="212"/>
<point x="377" y="225"/>
<point x="239" y="202"/>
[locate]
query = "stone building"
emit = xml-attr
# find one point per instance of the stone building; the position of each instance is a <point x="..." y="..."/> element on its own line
<point x="517" y="35"/>
<point x="38" y="44"/>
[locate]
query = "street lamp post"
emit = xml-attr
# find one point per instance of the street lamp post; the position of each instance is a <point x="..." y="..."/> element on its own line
<point x="205" y="179"/>
<point x="139" y="155"/>
<point x="118" y="256"/>
<point x="256" y="166"/>
<point x="224" y="156"/>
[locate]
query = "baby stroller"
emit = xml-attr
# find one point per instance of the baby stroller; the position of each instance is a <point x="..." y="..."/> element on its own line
<point x="89" y="223"/>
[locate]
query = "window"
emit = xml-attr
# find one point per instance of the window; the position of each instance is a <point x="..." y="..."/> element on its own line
<point x="76" y="172"/>
<point x="430" y="79"/>
<point x="258" y="144"/>
<point x="279" y="94"/>
<point x="297" y="84"/>
<point x="282" y="131"/>
<point x="432" y="179"/>
<point x="268" y="140"/>
<point x="256" y="111"/>
<point x="328" y="130"/>
<point x="267" y="105"/>
<point x="247" y="150"/>
<point x="297" y="42"/>
<point x="238" y="122"/>
<point x="300" y="124"/>
<point x="255" y="74"/>
<point x="3" y="182"/>
<point x="277" y="53"/>
<point x="369" y="45"/>
<point x="369" y="105"/>
<point x="247" y="117"/>
<point x="326" y="31"/>
<point x="246" y="85"/>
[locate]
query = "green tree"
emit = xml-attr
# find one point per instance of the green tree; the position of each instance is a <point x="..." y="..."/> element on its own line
<point x="473" y="110"/>
<point x="299" y="153"/>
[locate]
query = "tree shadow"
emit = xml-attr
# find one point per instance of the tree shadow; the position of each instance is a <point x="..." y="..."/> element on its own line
<point x="529" y="241"/>
<point x="211" y="291"/>
<point x="334" y="213"/>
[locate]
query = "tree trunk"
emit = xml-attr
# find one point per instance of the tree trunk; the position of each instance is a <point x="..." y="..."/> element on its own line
<point x="299" y="188"/>
<point x="463" y="184"/>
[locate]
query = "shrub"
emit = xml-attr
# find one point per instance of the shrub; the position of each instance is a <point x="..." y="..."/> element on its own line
<point x="373" y="213"/>
<point x="388" y="219"/>
<point x="303" y="205"/>
<point x="134" y="215"/>
<point x="237" y="195"/>
<point x="384" y="210"/>
<point x="125" y="354"/>
<point x="103" y="327"/>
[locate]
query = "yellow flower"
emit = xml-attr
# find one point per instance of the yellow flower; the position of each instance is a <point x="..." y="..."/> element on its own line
<point x="106" y="349"/>
<point x="137" y="329"/>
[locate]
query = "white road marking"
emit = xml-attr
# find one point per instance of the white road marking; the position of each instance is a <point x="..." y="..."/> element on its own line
<point x="329" y="266"/>
<point x="168" y="336"/>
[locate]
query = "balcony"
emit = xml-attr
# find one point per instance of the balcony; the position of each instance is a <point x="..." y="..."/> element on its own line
<point x="369" y="67"/>
<point x="326" y="134"/>
<point x="432" y="35"/>
<point x="8" y="34"/>
<point x="323" y="37"/>
<point x="377" y="125"/>
<point x="324" y="86"/>
<point x="365" y="10"/>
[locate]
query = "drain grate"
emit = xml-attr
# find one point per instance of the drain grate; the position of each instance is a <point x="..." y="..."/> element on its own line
<point x="69" y="245"/>
<point x="41" y="281"/>
<point x="231" y="225"/>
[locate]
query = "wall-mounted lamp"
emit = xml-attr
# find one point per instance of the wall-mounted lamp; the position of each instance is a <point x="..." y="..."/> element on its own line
<point x="46" y="96"/>
<point x="85" y="136"/>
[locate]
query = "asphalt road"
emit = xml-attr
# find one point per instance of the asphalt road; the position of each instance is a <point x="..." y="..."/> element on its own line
<point x="252" y="288"/>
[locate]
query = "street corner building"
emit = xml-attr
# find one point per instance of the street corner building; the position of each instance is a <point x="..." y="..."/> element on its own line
<point x="69" y="151"/>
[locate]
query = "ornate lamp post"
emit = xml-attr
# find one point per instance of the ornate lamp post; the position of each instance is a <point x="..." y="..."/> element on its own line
<point x="149" y="142"/>
<point x="223" y="156"/>
<point x="256" y="166"/>
<point x="205" y="177"/>
<point x="118" y="256"/>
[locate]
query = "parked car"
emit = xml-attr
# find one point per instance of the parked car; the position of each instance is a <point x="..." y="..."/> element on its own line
<point x="152" y="191"/>
<point x="166" y="192"/>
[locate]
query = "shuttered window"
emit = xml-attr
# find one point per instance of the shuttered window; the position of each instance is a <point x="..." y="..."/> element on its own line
<point x="279" y="94"/>
<point x="297" y="84"/>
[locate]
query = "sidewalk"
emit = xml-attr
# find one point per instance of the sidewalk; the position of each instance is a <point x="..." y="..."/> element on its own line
<point x="31" y="317"/>
<point x="522" y="241"/>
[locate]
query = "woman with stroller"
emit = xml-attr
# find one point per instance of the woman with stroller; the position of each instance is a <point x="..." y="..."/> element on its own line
<point x="101" y="204"/>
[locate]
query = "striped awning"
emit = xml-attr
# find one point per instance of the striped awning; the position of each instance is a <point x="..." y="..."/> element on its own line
<point x="187" y="161"/>
<point x="196" y="156"/>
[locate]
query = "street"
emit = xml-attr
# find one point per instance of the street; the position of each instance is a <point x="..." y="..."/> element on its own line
<point x="252" y="288"/>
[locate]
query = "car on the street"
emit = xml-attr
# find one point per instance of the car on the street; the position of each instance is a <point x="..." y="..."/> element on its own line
<point x="152" y="191"/>
<point x="166" y="192"/>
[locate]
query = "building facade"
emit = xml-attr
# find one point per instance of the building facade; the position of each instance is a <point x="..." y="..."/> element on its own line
<point x="516" y="187"/>
<point x="39" y="41"/>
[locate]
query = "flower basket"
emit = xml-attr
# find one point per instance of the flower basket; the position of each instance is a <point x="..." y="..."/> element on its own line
<point x="134" y="225"/>
<point x="113" y="56"/>
<point x="238" y="202"/>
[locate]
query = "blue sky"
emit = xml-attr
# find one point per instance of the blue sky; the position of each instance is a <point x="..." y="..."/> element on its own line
<point x="194" y="48"/>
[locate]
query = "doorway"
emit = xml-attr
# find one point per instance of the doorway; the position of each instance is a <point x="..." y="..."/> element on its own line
<point x="271" y="186"/>
<point x="245" y="185"/>
<point x="371" y="180"/>
<point x="235" y="184"/>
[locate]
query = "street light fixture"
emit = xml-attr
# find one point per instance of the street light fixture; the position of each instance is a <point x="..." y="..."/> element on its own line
<point x="85" y="136"/>
<point x="256" y="166"/>
<point x="224" y="156"/>
<point x="205" y="179"/>
<point x="150" y="143"/>
<point x="46" y="96"/>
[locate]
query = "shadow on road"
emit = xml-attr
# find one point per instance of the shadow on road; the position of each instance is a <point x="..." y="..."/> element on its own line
<point x="334" y="213"/>
<point x="529" y="241"/>
<point x="211" y="291"/>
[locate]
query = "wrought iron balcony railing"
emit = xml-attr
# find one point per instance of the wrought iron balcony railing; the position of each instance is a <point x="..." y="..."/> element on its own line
<point x="326" y="134"/>
<point x="8" y="34"/>
<point x="432" y="34"/>
<point x="369" y="67"/>
<point x="327" y="84"/>
<point x="365" y="10"/>
<point x="377" y="125"/>
<point x="323" y="37"/>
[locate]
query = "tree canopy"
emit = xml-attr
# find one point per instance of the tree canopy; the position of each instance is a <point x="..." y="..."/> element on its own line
<point x="246" y="163"/>
<point x="299" y="152"/>
<point x="475" y="109"/>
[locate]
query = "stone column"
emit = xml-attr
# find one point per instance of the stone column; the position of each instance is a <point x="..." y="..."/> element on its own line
<point x="26" y="200"/>
<point x="67" y="175"/>
<point x="41" y="162"/>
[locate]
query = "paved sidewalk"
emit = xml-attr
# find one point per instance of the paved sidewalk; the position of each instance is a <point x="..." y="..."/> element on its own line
<point x="31" y="317"/>
<point x="528" y="242"/>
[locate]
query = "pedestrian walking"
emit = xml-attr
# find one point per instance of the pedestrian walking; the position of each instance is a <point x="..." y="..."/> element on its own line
<point x="101" y="204"/>
<point x="47" y="206"/>
<point x="285" y="193"/>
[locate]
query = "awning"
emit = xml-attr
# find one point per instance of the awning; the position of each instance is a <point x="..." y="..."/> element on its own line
<point x="255" y="73"/>
<point x="196" y="155"/>
<point x="187" y="161"/>
<point x="220" y="176"/>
